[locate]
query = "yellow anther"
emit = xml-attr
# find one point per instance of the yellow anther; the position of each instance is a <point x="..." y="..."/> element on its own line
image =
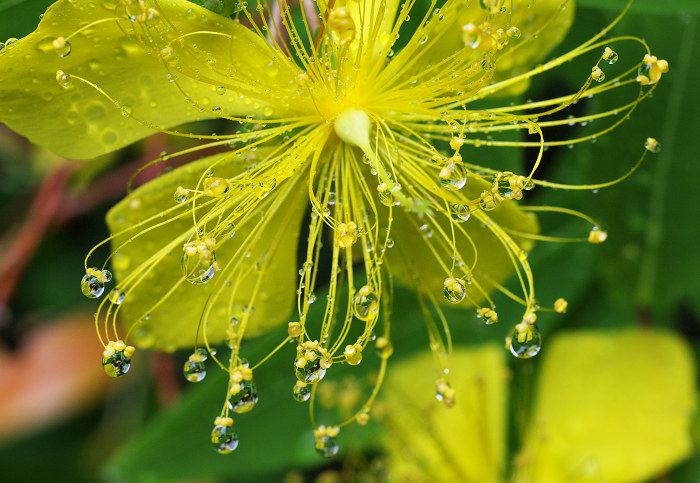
<point x="597" y="235"/>
<point x="294" y="329"/>
<point x="223" y="421"/>
<point x="326" y="361"/>
<point x="119" y="345"/>
<point x="445" y="173"/>
<point x="489" y="315"/>
<point x="346" y="234"/>
<point x="236" y="376"/>
<point x="190" y="249"/>
<point x="362" y="418"/>
<point x="652" y="145"/>
<point x="524" y="332"/>
<point x="457" y="158"/>
<point x="129" y="351"/>
<point x="59" y="43"/>
<point x="456" y="143"/>
<point x="560" y="305"/>
<point x="197" y="357"/>
<point x="597" y="74"/>
<point x="471" y="35"/>
<point x="454" y="284"/>
<point x="353" y="354"/>
<point x="643" y="80"/>
<point x="655" y="68"/>
<point x="235" y="389"/>
<point x="509" y="342"/>
<point x="341" y="25"/>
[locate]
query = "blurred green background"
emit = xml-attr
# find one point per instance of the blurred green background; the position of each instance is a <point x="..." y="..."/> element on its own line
<point x="647" y="273"/>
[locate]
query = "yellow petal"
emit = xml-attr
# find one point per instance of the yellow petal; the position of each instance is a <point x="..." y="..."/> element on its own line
<point x="540" y="25"/>
<point x="611" y="406"/>
<point x="412" y="256"/>
<point x="427" y="441"/>
<point x="373" y="20"/>
<point x="132" y="72"/>
<point x="268" y="258"/>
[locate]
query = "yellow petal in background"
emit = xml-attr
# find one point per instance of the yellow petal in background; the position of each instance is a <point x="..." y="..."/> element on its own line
<point x="429" y="442"/>
<point x="611" y="406"/>
<point x="412" y="256"/>
<point x="109" y="55"/>
<point x="268" y="257"/>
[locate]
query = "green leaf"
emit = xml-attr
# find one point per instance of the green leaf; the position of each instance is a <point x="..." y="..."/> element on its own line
<point x="19" y="17"/>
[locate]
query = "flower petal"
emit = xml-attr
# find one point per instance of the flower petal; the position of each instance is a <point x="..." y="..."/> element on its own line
<point x="107" y="53"/>
<point x="612" y="407"/>
<point x="412" y="255"/>
<point x="429" y="442"/>
<point x="364" y="14"/>
<point x="541" y="26"/>
<point x="271" y="263"/>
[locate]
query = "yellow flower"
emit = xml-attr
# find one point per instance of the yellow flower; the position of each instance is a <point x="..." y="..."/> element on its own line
<point x="612" y="406"/>
<point x="378" y="123"/>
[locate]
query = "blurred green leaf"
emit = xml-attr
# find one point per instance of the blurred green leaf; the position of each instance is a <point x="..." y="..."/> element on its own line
<point x="20" y="17"/>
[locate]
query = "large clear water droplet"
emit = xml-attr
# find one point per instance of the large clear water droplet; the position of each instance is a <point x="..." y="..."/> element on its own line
<point x="224" y="438"/>
<point x="525" y="343"/>
<point x="245" y="399"/>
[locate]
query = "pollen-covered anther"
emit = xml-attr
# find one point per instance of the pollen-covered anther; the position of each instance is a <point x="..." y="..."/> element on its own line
<point x="445" y="393"/>
<point x="353" y="354"/>
<point x="456" y="143"/>
<point x="489" y="201"/>
<point x="597" y="235"/>
<point x="610" y="55"/>
<point x="326" y="444"/>
<point x="454" y="289"/>
<point x="560" y="305"/>
<point x="116" y="358"/>
<point x="488" y="315"/>
<point x="223" y="421"/>
<point x="597" y="74"/>
<point x="384" y="347"/>
<point x="652" y="145"/>
<point x="346" y="234"/>
<point x="341" y="25"/>
<point x="653" y="68"/>
<point x="294" y="329"/>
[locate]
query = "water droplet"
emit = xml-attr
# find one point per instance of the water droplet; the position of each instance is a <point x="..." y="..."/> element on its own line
<point x="91" y="285"/>
<point x="610" y="55"/>
<point x="195" y="370"/>
<point x="116" y="296"/>
<point x="63" y="79"/>
<point x="244" y="398"/>
<point x="181" y="194"/>
<point x="311" y="362"/>
<point x="525" y="340"/>
<point x="453" y="175"/>
<point x="365" y="304"/>
<point x="459" y="213"/>
<point x="224" y="437"/>
<point x="215" y="187"/>
<point x="454" y="290"/>
<point x="301" y="391"/>
<point x="597" y="74"/>
<point x="326" y="443"/>
<point x="116" y="359"/>
<point x="514" y="32"/>
<point x="62" y="47"/>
